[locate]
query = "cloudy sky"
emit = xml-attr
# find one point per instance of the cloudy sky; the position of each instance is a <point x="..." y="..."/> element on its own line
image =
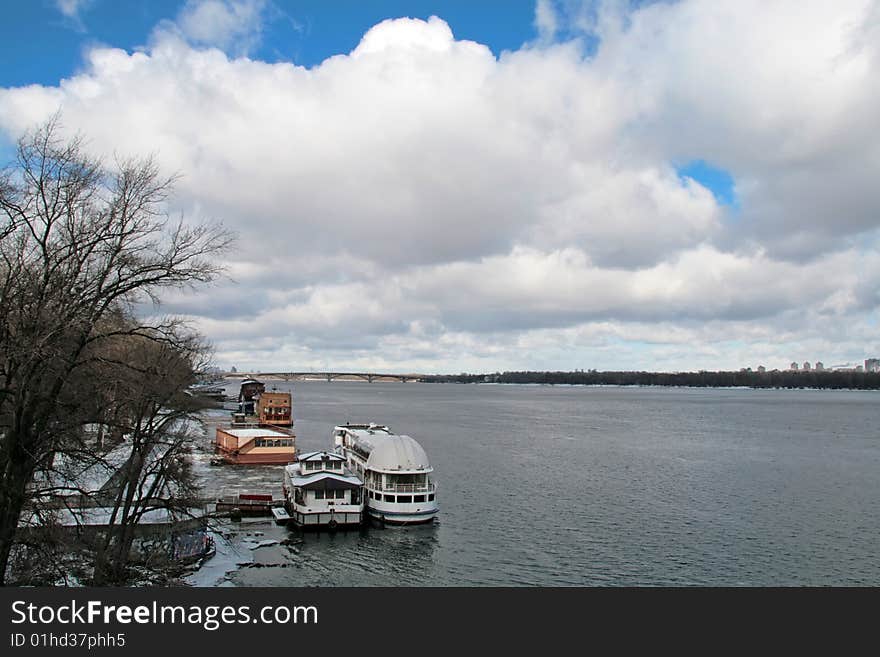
<point x="460" y="186"/>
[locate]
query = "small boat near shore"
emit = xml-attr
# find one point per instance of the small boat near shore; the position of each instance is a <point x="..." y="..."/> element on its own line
<point x="399" y="488"/>
<point x="320" y="492"/>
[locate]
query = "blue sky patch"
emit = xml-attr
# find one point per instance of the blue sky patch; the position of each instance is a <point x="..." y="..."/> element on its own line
<point x="718" y="181"/>
<point x="40" y="45"/>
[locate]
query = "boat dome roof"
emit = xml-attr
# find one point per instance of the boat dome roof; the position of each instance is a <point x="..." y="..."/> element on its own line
<point x="398" y="454"/>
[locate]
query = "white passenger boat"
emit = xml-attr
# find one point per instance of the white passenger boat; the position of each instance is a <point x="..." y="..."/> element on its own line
<point x="319" y="491"/>
<point x="398" y="485"/>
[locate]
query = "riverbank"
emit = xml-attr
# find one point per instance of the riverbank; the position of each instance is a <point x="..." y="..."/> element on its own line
<point x="774" y="379"/>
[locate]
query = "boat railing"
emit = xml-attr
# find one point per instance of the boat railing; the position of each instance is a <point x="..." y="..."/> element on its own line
<point x="405" y="488"/>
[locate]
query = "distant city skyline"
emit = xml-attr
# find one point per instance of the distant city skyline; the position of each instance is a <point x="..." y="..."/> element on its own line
<point x="870" y="365"/>
<point x="667" y="186"/>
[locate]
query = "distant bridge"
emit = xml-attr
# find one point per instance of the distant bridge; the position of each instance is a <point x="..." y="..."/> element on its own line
<point x="328" y="376"/>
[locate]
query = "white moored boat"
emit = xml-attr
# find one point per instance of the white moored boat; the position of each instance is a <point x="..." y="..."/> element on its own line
<point x="319" y="491"/>
<point x="397" y="478"/>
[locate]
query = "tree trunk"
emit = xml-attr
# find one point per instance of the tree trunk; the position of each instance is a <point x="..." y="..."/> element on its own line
<point x="12" y="499"/>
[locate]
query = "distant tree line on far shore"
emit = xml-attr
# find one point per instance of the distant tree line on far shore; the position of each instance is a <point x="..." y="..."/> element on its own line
<point x="703" y="379"/>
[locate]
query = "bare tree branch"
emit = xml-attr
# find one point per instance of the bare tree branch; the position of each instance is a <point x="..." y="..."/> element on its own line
<point x="80" y="244"/>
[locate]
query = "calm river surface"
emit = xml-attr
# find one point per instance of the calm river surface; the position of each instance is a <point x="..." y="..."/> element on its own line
<point x="560" y="486"/>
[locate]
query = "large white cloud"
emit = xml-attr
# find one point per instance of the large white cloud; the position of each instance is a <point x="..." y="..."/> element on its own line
<point x="785" y="95"/>
<point x="422" y="203"/>
<point x="414" y="148"/>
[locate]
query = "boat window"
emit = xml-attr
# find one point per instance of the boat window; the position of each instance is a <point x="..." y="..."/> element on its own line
<point x="389" y="498"/>
<point x="404" y="499"/>
<point x="340" y="494"/>
<point x="319" y="495"/>
<point x="431" y="497"/>
<point x="419" y="498"/>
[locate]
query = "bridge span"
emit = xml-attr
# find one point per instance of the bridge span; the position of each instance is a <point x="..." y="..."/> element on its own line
<point x="328" y="376"/>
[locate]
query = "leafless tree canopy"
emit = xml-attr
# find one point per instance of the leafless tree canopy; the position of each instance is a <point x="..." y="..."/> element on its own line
<point x="80" y="244"/>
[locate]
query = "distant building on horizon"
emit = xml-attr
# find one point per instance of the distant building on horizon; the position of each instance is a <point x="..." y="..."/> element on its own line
<point x="762" y="369"/>
<point x="794" y="366"/>
<point x="872" y="365"/>
<point x="820" y="367"/>
<point x="806" y="366"/>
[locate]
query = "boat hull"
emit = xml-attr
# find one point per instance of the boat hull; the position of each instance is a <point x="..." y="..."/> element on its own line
<point x="324" y="519"/>
<point x="388" y="517"/>
<point x="258" y="459"/>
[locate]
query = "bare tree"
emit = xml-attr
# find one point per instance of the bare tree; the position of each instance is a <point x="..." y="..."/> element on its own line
<point x="154" y="413"/>
<point x="78" y="243"/>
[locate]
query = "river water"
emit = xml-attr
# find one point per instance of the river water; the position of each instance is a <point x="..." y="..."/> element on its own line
<point x="561" y="486"/>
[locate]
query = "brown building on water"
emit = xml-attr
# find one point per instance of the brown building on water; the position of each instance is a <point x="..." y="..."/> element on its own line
<point x="274" y="408"/>
<point x="256" y="445"/>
